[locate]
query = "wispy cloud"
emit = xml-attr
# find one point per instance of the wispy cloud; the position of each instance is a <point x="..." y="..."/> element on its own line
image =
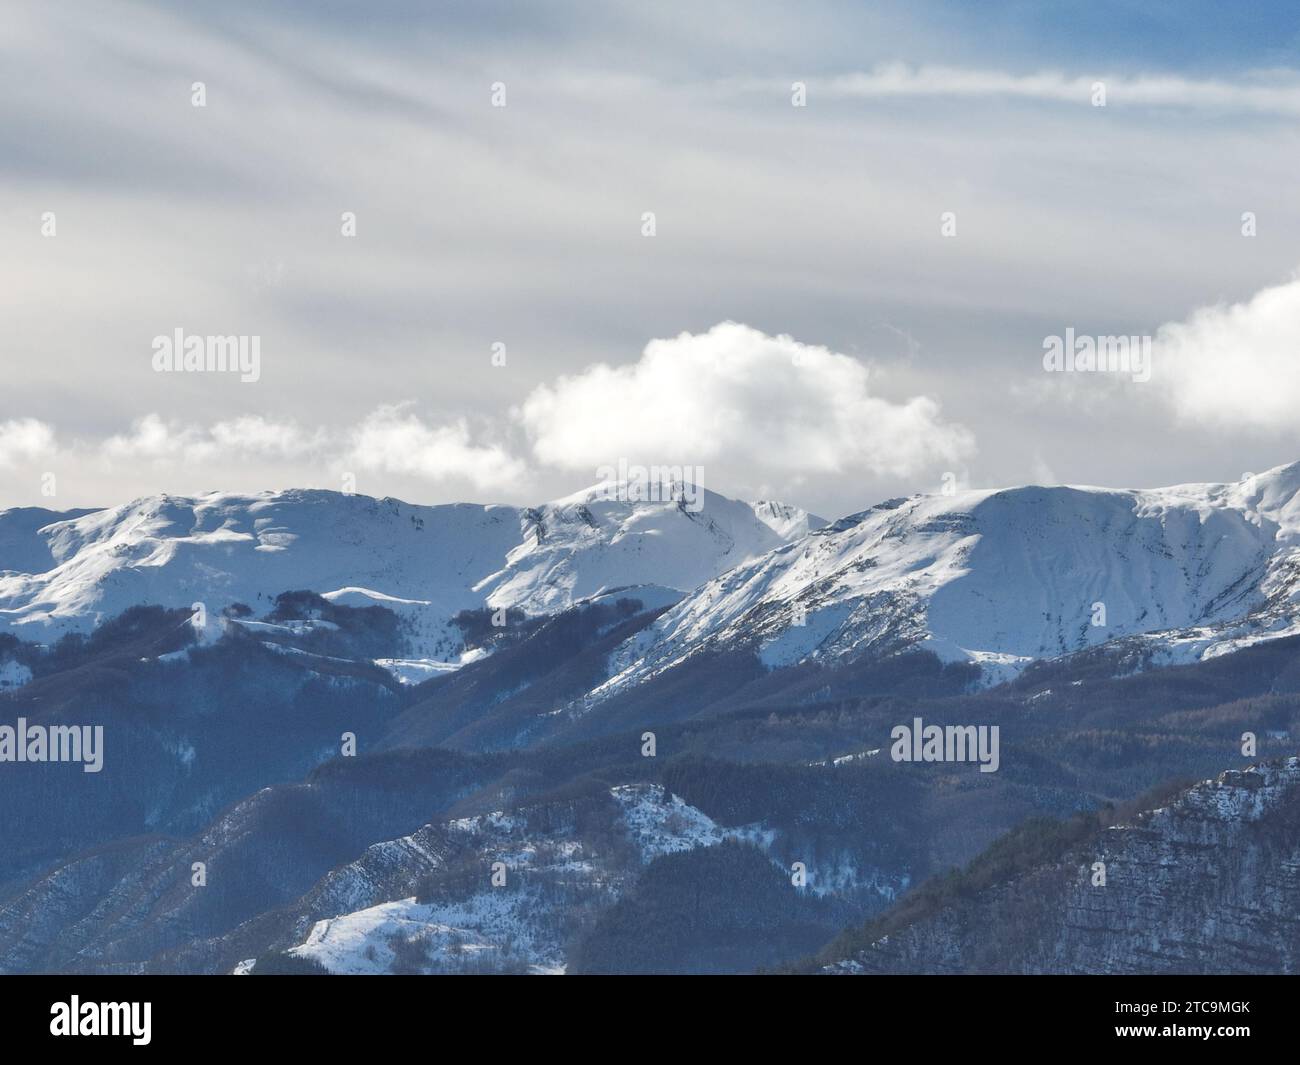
<point x="1267" y="92"/>
<point x="390" y="440"/>
<point x="152" y="438"/>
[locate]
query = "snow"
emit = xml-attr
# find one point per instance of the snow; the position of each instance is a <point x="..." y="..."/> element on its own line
<point x="523" y="924"/>
<point x="650" y="596"/>
<point x="515" y="925"/>
<point x="847" y="759"/>
<point x="426" y="563"/>
<point x="13" y="675"/>
<point x="1003" y="578"/>
<point x="411" y="671"/>
<point x="998" y="578"/>
<point x="361" y="943"/>
<point x="799" y="641"/>
<point x="589" y="543"/>
<point x="508" y="925"/>
<point x="787" y="521"/>
<point x="659" y="823"/>
<point x="362" y="597"/>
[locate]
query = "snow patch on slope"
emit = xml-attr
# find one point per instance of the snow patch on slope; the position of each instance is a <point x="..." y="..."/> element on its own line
<point x="13" y="675"/>
<point x="450" y="937"/>
<point x="659" y="823"/>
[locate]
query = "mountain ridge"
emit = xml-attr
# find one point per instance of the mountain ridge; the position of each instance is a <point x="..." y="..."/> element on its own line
<point x="427" y="563"/>
<point x="1006" y="577"/>
<point x="1000" y="578"/>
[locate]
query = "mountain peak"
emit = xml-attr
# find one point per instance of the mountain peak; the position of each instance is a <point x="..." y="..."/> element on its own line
<point x="786" y="520"/>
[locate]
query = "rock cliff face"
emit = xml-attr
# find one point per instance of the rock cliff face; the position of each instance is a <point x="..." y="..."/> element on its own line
<point x="1209" y="883"/>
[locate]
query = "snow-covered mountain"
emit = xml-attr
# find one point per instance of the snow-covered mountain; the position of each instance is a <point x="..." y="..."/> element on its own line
<point x="1003" y="578"/>
<point x="67" y="572"/>
<point x="997" y="577"/>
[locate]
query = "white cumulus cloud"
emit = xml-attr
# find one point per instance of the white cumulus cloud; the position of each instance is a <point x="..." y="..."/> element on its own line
<point x="393" y="440"/>
<point x="757" y="404"/>
<point x="154" y="439"/>
<point x="390" y="439"/>
<point x="1235" y="366"/>
<point x="23" y="439"/>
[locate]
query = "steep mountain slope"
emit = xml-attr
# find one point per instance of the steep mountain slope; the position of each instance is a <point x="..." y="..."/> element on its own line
<point x="1206" y="883"/>
<point x="1003" y="578"/>
<point x="427" y="564"/>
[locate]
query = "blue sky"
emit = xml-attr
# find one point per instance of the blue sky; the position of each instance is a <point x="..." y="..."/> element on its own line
<point x="1185" y="36"/>
<point x="919" y="354"/>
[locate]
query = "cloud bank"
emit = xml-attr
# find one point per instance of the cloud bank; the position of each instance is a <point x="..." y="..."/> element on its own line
<point x="753" y="408"/>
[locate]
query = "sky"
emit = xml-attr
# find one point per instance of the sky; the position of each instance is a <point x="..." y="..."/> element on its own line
<point x="487" y="249"/>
